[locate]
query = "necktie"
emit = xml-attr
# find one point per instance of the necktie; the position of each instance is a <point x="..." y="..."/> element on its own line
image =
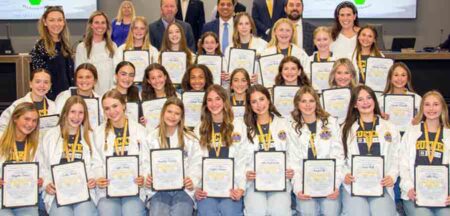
<point x="270" y="7"/>
<point x="225" y="37"/>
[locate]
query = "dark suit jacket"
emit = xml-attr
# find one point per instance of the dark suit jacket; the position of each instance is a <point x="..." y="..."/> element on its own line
<point x="262" y="18"/>
<point x="157" y="31"/>
<point x="237" y="8"/>
<point x="212" y="26"/>
<point x="446" y="44"/>
<point x="308" y="43"/>
<point x="195" y="16"/>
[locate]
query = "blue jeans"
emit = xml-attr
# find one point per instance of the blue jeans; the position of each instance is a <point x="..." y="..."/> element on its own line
<point x="176" y="203"/>
<point x="356" y="206"/>
<point x="267" y="203"/>
<point x="85" y="208"/>
<point x="25" y="211"/>
<point x="319" y="206"/>
<point x="121" y="206"/>
<point x="412" y="210"/>
<point x="219" y="207"/>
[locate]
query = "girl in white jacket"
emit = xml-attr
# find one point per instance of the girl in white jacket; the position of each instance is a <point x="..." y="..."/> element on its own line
<point x="343" y="74"/>
<point x="120" y="136"/>
<point x="19" y="143"/>
<point x="291" y="73"/>
<point x="315" y="135"/>
<point x="70" y="141"/>
<point x="221" y="137"/>
<point x="426" y="142"/>
<point x="266" y="131"/>
<point x="366" y="133"/>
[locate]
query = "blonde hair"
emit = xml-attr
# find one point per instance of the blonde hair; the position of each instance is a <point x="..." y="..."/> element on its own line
<point x="129" y="43"/>
<point x="44" y="35"/>
<point x="325" y="29"/>
<point x="90" y="34"/>
<point x="274" y="40"/>
<point x="444" y="114"/>
<point x="8" y="139"/>
<point x="389" y="86"/>
<point x="114" y="94"/>
<point x="347" y="63"/>
<point x="119" y="16"/>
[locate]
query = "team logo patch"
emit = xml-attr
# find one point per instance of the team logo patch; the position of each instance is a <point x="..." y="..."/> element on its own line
<point x="236" y="137"/>
<point x="325" y="134"/>
<point x="388" y="136"/>
<point x="282" y="135"/>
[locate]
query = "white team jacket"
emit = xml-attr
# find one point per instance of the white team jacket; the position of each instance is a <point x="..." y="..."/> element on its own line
<point x="62" y="97"/>
<point x="296" y="51"/>
<point x="118" y="55"/>
<point x="257" y="44"/>
<point x="311" y="59"/>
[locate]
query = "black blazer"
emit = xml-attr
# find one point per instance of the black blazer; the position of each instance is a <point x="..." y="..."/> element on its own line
<point x="195" y="16"/>
<point x="212" y="26"/>
<point x="157" y="31"/>
<point x="262" y="18"/>
<point x="308" y="39"/>
<point x="237" y="8"/>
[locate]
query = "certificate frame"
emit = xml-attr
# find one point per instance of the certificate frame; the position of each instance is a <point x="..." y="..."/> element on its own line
<point x="237" y="111"/>
<point x="97" y="111"/>
<point x="190" y="114"/>
<point x="304" y="186"/>
<point x="216" y="69"/>
<point x="266" y="80"/>
<point x="178" y="74"/>
<point x="273" y="155"/>
<point x="35" y="196"/>
<point x="47" y="126"/>
<point x="83" y="172"/>
<point x="427" y="203"/>
<point x="325" y="92"/>
<point x="140" y="71"/>
<point x="281" y="106"/>
<point x="152" y="169"/>
<point x="313" y="74"/>
<point x="152" y="115"/>
<point x="231" y="67"/>
<point x="369" y="71"/>
<point x="108" y="190"/>
<point x="132" y="110"/>
<point x="230" y="160"/>
<point x="398" y="124"/>
<point x="352" y="187"/>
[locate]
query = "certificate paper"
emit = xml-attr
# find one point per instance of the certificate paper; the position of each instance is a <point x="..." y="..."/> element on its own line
<point x="320" y="72"/>
<point x="238" y="111"/>
<point x="151" y="110"/>
<point x="270" y="169"/>
<point x="376" y="72"/>
<point x="242" y="58"/>
<point x="192" y="107"/>
<point x="368" y="172"/>
<point x="214" y="63"/>
<point x="167" y="169"/>
<point x="132" y="111"/>
<point x="48" y="121"/>
<point x="431" y="184"/>
<point x="400" y="109"/>
<point x="283" y="99"/>
<point x="319" y="177"/>
<point x="121" y="171"/>
<point x="269" y="68"/>
<point x="175" y="64"/>
<point x="93" y="107"/>
<point x="335" y="101"/>
<point x="70" y="181"/>
<point x="218" y="177"/>
<point x="21" y="185"/>
<point x="140" y="60"/>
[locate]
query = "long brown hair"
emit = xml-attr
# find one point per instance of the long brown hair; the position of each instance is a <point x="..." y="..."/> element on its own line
<point x="114" y="94"/>
<point x="44" y="34"/>
<point x="202" y="39"/>
<point x="389" y="86"/>
<point x="63" y="120"/>
<point x="302" y="79"/>
<point x="106" y="36"/>
<point x="206" y="126"/>
<point x="444" y="120"/>
<point x="353" y="113"/>
<point x="8" y="139"/>
<point x="244" y="72"/>
<point x="297" y="114"/>
<point x="373" y="49"/>
<point x="129" y="42"/>
<point x="250" y="117"/>
<point x="185" y="82"/>
<point x="166" y="44"/>
<point x="133" y="91"/>
<point x="87" y="66"/>
<point x="348" y="64"/>
<point x="148" y="92"/>
<point x="237" y="18"/>
<point x="337" y="27"/>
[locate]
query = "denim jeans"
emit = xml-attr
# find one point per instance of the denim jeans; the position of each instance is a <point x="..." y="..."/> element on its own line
<point x="174" y="203"/>
<point x="121" y="206"/>
<point x="85" y="208"/>
<point x="319" y="206"/>
<point x="412" y="210"/>
<point x="219" y="207"/>
<point x="267" y="203"/>
<point x="356" y="206"/>
<point x="25" y="211"/>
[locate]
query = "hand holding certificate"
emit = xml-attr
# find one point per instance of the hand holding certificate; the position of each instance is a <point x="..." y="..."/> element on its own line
<point x="431" y="184"/>
<point x="70" y="180"/>
<point x="242" y="58"/>
<point x="121" y="171"/>
<point x="140" y="60"/>
<point x="151" y="110"/>
<point x="320" y="72"/>
<point x="376" y="72"/>
<point x="335" y="101"/>
<point x="319" y="177"/>
<point x="270" y="169"/>
<point x="193" y="105"/>
<point x="214" y="63"/>
<point x="48" y="121"/>
<point x="400" y="109"/>
<point x="283" y="99"/>
<point x="368" y="172"/>
<point x="132" y="111"/>
<point x="167" y="169"/>
<point x="175" y="64"/>
<point x="20" y="188"/>
<point x="218" y="177"/>
<point x="269" y="68"/>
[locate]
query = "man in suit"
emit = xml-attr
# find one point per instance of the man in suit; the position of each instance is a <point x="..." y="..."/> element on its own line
<point x="238" y="7"/>
<point x="192" y="12"/>
<point x="265" y="13"/>
<point x="223" y="26"/>
<point x="294" y="11"/>
<point x="157" y="28"/>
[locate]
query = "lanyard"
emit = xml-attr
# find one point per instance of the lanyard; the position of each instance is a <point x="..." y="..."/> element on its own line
<point x="42" y="112"/>
<point x="25" y="152"/>
<point x="66" y="147"/>
<point x="431" y="151"/>
<point x="318" y="57"/>
<point x="313" y="146"/>
<point x="217" y="145"/>
<point x="233" y="100"/>
<point x="124" y="137"/>
<point x="265" y="139"/>
<point x="289" y="50"/>
<point x="369" y="138"/>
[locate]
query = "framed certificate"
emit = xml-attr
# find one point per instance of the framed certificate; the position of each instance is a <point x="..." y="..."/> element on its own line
<point x="151" y="110"/>
<point x="218" y="177"/>
<point x="93" y="106"/>
<point x="48" y="121"/>
<point x="121" y="171"/>
<point x="20" y="188"/>
<point x="319" y="177"/>
<point x="368" y="172"/>
<point x="335" y="101"/>
<point x="270" y="169"/>
<point x="283" y="99"/>
<point x="214" y="63"/>
<point x="238" y="111"/>
<point x="167" y="169"/>
<point x="432" y="185"/>
<point x="269" y="68"/>
<point x="132" y="110"/>
<point x="192" y="107"/>
<point x="175" y="64"/>
<point x="377" y="70"/>
<point x="320" y="73"/>
<point x="242" y="58"/>
<point x="400" y="109"/>
<point x="140" y="60"/>
<point x="70" y="181"/>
